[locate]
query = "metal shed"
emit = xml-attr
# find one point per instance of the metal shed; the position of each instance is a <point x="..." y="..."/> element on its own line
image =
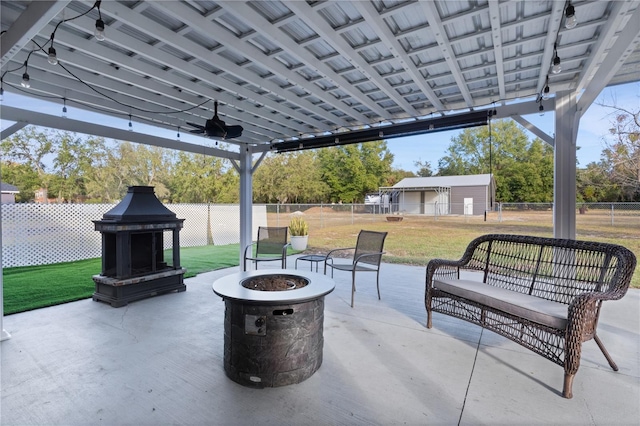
<point x="440" y="195"/>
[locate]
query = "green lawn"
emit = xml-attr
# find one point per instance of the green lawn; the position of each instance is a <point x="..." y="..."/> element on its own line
<point x="32" y="287"/>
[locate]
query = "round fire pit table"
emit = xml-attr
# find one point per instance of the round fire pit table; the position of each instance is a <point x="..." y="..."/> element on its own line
<point x="273" y="325"/>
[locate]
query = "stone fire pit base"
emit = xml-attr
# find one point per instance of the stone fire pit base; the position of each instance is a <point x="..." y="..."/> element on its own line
<point x="284" y="350"/>
<point x="273" y="325"/>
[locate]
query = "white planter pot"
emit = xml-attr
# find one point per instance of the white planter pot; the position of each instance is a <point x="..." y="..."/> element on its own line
<point x="299" y="243"/>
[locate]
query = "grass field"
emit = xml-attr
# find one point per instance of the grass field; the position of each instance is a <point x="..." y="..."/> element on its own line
<point x="417" y="238"/>
<point x="413" y="241"/>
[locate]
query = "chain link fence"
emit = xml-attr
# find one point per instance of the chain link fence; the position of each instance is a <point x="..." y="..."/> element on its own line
<point x="40" y="234"/>
<point x="37" y="234"/>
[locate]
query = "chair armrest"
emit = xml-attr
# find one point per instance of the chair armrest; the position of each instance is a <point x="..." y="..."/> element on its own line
<point x="582" y="319"/>
<point x="443" y="268"/>
<point x="584" y="306"/>
<point x="330" y="258"/>
<point x="359" y="258"/>
<point x="247" y="248"/>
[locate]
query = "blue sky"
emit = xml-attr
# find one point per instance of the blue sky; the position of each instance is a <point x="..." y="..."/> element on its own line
<point x="593" y="129"/>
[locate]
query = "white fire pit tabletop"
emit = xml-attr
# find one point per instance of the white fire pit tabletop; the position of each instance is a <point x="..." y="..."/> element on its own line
<point x="230" y="287"/>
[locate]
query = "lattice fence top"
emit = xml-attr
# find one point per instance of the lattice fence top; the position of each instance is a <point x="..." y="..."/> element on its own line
<point x="39" y="234"/>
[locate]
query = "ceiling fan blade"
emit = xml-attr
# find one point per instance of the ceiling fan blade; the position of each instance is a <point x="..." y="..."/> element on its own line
<point x="234" y="131"/>
<point x="197" y="126"/>
<point x="216" y="132"/>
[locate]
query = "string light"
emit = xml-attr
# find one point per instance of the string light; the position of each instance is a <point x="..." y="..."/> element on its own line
<point x="53" y="58"/>
<point x="64" y="108"/>
<point x="545" y="91"/>
<point x="99" y="32"/>
<point x="26" y="83"/>
<point x="178" y="135"/>
<point x="1" y="90"/>
<point x="130" y="124"/>
<point x="556" y="67"/>
<point x="570" y="17"/>
<point x="541" y="109"/>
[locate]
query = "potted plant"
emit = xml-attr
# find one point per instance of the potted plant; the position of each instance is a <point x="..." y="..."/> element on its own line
<point x="299" y="231"/>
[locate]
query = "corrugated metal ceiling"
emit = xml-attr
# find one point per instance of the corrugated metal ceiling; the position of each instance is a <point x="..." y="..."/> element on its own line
<point x="294" y="69"/>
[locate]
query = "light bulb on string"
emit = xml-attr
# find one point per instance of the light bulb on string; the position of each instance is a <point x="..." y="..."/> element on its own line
<point x="64" y="108"/>
<point x="570" y="17"/>
<point x="1" y="91"/>
<point x="130" y="124"/>
<point x="178" y="135"/>
<point x="556" y="67"/>
<point x="545" y="91"/>
<point x="99" y="31"/>
<point x="555" y="64"/>
<point x="53" y="58"/>
<point x="541" y="109"/>
<point x="26" y="82"/>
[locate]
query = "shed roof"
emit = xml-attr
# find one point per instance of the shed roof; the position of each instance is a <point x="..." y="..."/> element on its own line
<point x="444" y="181"/>
<point x="7" y="188"/>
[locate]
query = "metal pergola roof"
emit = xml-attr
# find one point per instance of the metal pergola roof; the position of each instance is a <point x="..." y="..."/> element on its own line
<point x="295" y="70"/>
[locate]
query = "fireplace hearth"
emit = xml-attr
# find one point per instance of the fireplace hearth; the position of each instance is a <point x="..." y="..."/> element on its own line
<point x="133" y="264"/>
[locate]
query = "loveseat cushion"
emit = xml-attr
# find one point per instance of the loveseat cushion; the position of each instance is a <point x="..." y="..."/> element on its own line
<point x="532" y="308"/>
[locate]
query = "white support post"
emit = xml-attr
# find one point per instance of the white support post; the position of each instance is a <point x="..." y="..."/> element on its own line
<point x="5" y="335"/>
<point x="567" y="121"/>
<point x="246" y="200"/>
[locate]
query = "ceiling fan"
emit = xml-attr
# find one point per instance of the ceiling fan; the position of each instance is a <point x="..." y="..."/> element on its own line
<point x="216" y="128"/>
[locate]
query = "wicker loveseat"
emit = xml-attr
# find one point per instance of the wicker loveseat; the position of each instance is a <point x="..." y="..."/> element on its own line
<point x="543" y="293"/>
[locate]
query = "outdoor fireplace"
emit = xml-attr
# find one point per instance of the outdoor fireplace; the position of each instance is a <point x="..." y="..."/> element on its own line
<point x="133" y="264"/>
<point x="273" y="325"/>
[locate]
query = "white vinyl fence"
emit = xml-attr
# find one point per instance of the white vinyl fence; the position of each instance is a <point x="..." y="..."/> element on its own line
<point x="40" y="234"/>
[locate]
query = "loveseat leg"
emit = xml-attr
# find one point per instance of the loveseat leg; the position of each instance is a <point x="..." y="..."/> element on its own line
<point x="605" y="352"/>
<point x="567" y="391"/>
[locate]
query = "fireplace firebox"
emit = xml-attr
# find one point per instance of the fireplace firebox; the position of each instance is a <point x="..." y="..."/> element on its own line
<point x="133" y="264"/>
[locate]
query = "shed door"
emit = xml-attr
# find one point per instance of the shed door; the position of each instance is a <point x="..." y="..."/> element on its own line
<point x="468" y="206"/>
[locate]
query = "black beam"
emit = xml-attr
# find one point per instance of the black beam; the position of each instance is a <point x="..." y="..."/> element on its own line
<point x="439" y="124"/>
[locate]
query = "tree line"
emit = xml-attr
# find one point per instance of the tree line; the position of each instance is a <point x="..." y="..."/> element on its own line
<point x="75" y="168"/>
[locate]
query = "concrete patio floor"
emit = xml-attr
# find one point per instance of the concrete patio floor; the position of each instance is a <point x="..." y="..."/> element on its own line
<point x="160" y="361"/>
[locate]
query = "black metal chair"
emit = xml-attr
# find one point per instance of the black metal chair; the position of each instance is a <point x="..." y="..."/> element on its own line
<point x="271" y="245"/>
<point x="366" y="258"/>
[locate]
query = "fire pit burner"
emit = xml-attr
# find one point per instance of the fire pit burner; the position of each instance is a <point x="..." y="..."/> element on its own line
<point x="275" y="282"/>
<point x="272" y="332"/>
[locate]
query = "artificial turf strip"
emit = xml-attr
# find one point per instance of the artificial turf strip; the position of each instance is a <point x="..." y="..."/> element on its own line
<point x="33" y="287"/>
